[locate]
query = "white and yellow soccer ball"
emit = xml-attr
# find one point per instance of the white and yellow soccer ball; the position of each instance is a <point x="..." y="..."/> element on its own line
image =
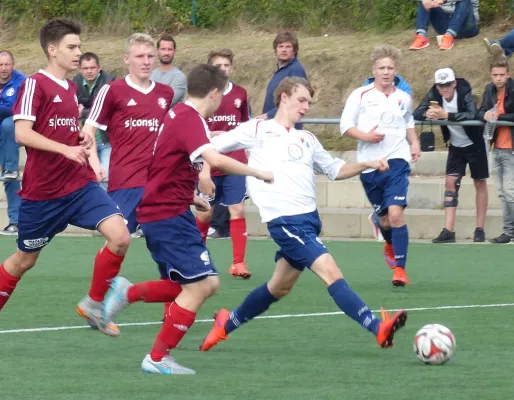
<point x="434" y="344"/>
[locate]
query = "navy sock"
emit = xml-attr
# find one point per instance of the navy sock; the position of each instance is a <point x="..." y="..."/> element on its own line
<point x="400" y="245"/>
<point x="387" y="234"/>
<point x="257" y="302"/>
<point x="352" y="305"/>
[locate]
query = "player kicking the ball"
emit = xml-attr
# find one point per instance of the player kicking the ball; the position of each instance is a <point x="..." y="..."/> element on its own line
<point x="230" y="190"/>
<point x="59" y="186"/>
<point x="379" y="116"/>
<point x="169" y="226"/>
<point x="289" y="208"/>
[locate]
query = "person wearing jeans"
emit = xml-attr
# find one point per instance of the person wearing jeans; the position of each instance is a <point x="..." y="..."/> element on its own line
<point x="10" y="82"/>
<point x="503" y="47"/>
<point x="500" y="93"/>
<point x="454" y="19"/>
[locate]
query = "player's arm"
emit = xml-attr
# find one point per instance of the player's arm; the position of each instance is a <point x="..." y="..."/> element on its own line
<point x="336" y="169"/>
<point x="88" y="140"/>
<point x="243" y="137"/>
<point x="412" y="136"/>
<point x="27" y="137"/>
<point x="348" y="123"/>
<point x="233" y="167"/>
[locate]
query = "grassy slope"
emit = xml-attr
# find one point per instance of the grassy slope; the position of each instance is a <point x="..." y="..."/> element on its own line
<point x="336" y="64"/>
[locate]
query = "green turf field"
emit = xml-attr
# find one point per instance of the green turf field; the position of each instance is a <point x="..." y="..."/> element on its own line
<point x="296" y="357"/>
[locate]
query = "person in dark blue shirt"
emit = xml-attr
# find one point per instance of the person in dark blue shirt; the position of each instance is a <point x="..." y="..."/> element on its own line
<point x="10" y="82"/>
<point x="286" y="49"/>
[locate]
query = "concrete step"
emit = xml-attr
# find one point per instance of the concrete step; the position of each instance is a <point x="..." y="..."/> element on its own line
<point x="354" y="223"/>
<point x="425" y="192"/>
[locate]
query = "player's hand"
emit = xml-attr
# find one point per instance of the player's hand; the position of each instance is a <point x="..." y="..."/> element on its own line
<point x="78" y="154"/>
<point x="381" y="164"/>
<point x="415" y="151"/>
<point x="215" y="133"/>
<point x="99" y="172"/>
<point x="81" y="108"/>
<point x="201" y="204"/>
<point x="374" y="136"/>
<point x="85" y="140"/>
<point x="207" y="186"/>
<point x="265" y="176"/>
<point x="428" y="4"/>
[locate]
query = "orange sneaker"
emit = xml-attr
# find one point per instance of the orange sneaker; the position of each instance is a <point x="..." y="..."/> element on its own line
<point x="217" y="333"/>
<point x="389" y="326"/>
<point x="389" y="255"/>
<point x="239" y="270"/>
<point x="400" y="277"/>
<point x="420" y="42"/>
<point x="447" y="42"/>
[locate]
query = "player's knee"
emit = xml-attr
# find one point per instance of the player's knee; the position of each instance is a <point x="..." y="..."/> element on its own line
<point x="212" y="285"/>
<point x="279" y="290"/>
<point x="396" y="217"/>
<point x="119" y="241"/>
<point x="237" y="211"/>
<point x="22" y="262"/>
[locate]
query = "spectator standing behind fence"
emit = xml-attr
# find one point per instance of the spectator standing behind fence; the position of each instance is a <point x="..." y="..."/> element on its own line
<point x="89" y="82"/>
<point x="500" y="93"/>
<point x="454" y="19"/>
<point x="286" y="48"/>
<point x="167" y="73"/>
<point x="451" y="99"/>
<point x="10" y="82"/>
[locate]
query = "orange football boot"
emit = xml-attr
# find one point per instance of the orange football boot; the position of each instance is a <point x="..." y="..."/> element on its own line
<point x="239" y="270"/>
<point x="400" y="277"/>
<point x="389" y="326"/>
<point x="217" y="333"/>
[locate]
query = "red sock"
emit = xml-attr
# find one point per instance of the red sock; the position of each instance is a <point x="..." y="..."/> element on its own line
<point x="173" y="330"/>
<point x="107" y="266"/>
<point x="7" y="285"/>
<point x="203" y="227"/>
<point x="239" y="237"/>
<point x="154" y="291"/>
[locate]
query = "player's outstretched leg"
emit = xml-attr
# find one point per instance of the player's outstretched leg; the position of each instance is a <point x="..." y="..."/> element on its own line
<point x="239" y="238"/>
<point x="352" y="305"/>
<point x="123" y="293"/>
<point x="107" y="265"/>
<point x="400" y="237"/>
<point x="256" y="303"/>
<point x="11" y="272"/>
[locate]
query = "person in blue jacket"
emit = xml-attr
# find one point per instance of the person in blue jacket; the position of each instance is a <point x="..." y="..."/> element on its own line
<point x="10" y="82"/>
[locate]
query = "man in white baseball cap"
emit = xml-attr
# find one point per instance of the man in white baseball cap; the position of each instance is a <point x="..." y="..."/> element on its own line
<point x="451" y="99"/>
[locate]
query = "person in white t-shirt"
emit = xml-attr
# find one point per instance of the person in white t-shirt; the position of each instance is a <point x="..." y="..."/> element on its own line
<point x="379" y="116"/>
<point x="451" y="99"/>
<point x="288" y="206"/>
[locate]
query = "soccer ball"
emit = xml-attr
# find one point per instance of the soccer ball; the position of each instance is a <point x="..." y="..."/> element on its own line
<point x="434" y="344"/>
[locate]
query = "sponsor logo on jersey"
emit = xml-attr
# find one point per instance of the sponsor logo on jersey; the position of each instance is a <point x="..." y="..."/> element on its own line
<point x="152" y="124"/>
<point x="57" y="122"/>
<point x="231" y="119"/>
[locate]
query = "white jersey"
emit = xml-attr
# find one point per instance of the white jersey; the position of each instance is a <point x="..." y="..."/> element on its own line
<point x="291" y="155"/>
<point x="366" y="108"/>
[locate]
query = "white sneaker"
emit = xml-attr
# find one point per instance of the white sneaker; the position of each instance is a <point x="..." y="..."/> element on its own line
<point x="167" y="366"/>
<point x="376" y="229"/>
<point x="91" y="310"/>
<point x="116" y="298"/>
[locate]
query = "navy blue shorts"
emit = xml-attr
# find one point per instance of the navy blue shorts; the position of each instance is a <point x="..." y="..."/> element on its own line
<point x="297" y="237"/>
<point x="230" y="190"/>
<point x="177" y="248"/>
<point x="389" y="188"/>
<point x="128" y="200"/>
<point x="39" y="221"/>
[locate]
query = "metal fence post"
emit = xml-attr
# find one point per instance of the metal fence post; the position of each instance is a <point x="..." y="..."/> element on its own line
<point x="193" y="12"/>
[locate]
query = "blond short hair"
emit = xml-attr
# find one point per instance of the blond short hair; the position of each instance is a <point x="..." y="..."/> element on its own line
<point x="225" y="53"/>
<point x="138" y="38"/>
<point x="386" y="51"/>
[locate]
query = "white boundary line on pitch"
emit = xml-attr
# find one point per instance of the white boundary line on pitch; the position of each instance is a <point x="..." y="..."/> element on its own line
<point x="282" y="316"/>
